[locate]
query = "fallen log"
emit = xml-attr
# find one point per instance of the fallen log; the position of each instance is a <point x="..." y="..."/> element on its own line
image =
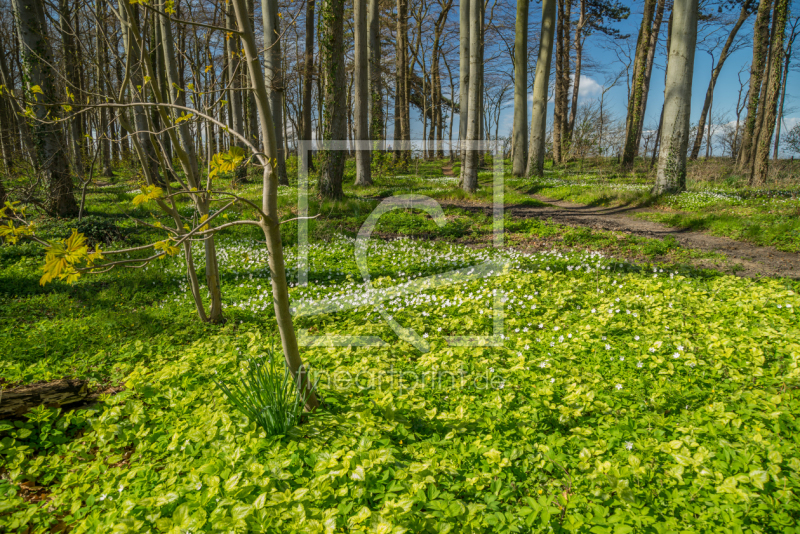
<point x="17" y="401"/>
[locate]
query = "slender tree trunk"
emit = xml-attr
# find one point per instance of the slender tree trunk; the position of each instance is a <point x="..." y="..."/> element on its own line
<point x="74" y="134"/>
<point x="562" y="79"/>
<point x="701" y="124"/>
<point x="470" y="180"/>
<point x="760" y="53"/>
<point x="671" y="175"/>
<point x="463" y="76"/>
<point x="51" y="146"/>
<point x="271" y="228"/>
<point x="638" y="97"/>
<point x="772" y="90"/>
<point x="102" y="69"/>
<point x="308" y="81"/>
<point x="541" y="85"/>
<point x="787" y="60"/>
<point x="573" y="109"/>
<point x="362" y="101"/>
<point x="402" y="86"/>
<point x="648" y="69"/>
<point x="520" y="129"/>
<point x="375" y="82"/>
<point x="235" y="80"/>
<point x="335" y="111"/>
<point x="274" y="79"/>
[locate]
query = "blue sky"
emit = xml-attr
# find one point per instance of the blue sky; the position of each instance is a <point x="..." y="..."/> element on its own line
<point x="725" y="94"/>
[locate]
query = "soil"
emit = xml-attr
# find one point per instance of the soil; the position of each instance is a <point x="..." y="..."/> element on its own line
<point x="744" y="259"/>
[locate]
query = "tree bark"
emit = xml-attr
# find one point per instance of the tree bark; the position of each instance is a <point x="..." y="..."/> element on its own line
<point x="463" y="77"/>
<point x="470" y="180"/>
<point x="760" y="53"/>
<point x="335" y="93"/>
<point x="763" y="142"/>
<point x="701" y="124"/>
<point x="68" y="32"/>
<point x="48" y="137"/>
<point x="520" y="129"/>
<point x="362" y="99"/>
<point x="573" y="109"/>
<point x="638" y="97"/>
<point x="271" y="228"/>
<point x="308" y="76"/>
<point x="671" y="175"/>
<point x="562" y="80"/>
<point x="274" y="79"/>
<point x="402" y="86"/>
<point x="541" y="84"/>
<point x="375" y="82"/>
<point x="235" y="81"/>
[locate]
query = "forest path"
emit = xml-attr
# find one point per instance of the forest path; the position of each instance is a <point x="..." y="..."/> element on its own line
<point x="746" y="259"/>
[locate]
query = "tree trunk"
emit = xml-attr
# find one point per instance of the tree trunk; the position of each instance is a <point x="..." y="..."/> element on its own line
<point x="402" y="86"/>
<point x="74" y="133"/>
<point x="102" y="69"/>
<point x="787" y="60"/>
<point x="573" y="110"/>
<point x="362" y="98"/>
<point x="271" y="228"/>
<point x="335" y="92"/>
<point x="520" y="129"/>
<point x="375" y="82"/>
<point x="470" y="180"/>
<point x="235" y="81"/>
<point x="671" y="176"/>
<point x="463" y="77"/>
<point x="638" y="97"/>
<point x="49" y="139"/>
<point x="274" y="80"/>
<point x="701" y="124"/>
<point x="308" y="76"/>
<point x="760" y="53"/>
<point x="763" y="142"/>
<point x="562" y="79"/>
<point x="541" y="85"/>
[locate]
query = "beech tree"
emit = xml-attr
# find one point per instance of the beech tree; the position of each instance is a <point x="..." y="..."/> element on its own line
<point x="671" y="175"/>
<point x="536" y="153"/>
<point x="43" y="108"/>
<point x="520" y="133"/>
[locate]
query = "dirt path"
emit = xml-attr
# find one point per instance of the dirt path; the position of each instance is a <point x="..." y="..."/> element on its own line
<point x="745" y="259"/>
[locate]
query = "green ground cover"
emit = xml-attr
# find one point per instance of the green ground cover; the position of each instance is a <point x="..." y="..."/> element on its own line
<point x="620" y="398"/>
<point x="768" y="216"/>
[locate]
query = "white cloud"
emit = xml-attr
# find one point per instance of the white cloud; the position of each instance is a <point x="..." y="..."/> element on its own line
<point x="589" y="88"/>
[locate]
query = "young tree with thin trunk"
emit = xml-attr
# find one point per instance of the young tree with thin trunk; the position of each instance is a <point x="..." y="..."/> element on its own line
<point x="274" y="78"/>
<point x="334" y="122"/>
<point x="40" y="84"/>
<point x="723" y="55"/>
<point x="362" y="98"/>
<point x="541" y="84"/>
<point x="671" y="175"/>
<point x="520" y="130"/>
<point x="270" y="224"/>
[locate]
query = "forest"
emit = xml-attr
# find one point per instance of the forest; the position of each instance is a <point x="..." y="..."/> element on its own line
<point x="399" y="266"/>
